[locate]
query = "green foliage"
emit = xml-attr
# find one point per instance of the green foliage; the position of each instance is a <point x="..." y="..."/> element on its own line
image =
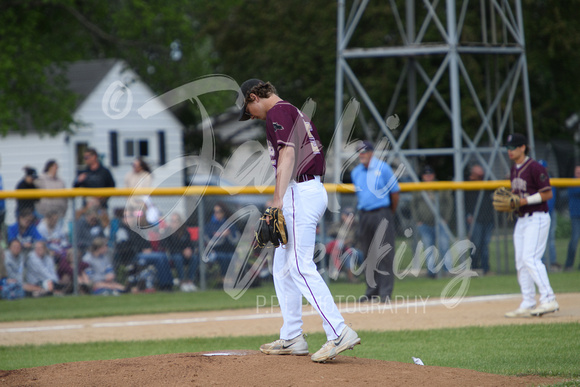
<point x="292" y="44"/>
<point x="553" y="53"/>
<point x="37" y="39"/>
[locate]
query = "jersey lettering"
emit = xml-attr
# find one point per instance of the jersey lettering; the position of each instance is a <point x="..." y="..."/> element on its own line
<point x="519" y="184"/>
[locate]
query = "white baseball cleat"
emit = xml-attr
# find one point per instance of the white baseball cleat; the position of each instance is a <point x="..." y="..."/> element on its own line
<point x="347" y="340"/>
<point x="296" y="346"/>
<point x="546" y="307"/>
<point x="519" y="312"/>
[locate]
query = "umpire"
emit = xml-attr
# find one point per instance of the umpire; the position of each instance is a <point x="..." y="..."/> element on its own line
<point x="377" y="192"/>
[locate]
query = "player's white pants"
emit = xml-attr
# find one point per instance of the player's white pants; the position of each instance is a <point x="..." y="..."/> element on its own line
<point x="295" y="273"/>
<point x="530" y="238"/>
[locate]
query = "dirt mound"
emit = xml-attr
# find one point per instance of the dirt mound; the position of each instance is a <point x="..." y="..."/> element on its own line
<point x="252" y="368"/>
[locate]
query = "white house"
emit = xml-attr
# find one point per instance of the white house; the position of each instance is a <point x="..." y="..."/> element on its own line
<point x="110" y="95"/>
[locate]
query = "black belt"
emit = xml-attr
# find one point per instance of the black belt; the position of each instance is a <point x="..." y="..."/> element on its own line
<point x="526" y="214"/>
<point x="375" y="209"/>
<point x="303" y="178"/>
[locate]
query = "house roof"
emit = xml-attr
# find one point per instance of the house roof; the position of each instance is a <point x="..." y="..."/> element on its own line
<point x="229" y="129"/>
<point x="84" y="76"/>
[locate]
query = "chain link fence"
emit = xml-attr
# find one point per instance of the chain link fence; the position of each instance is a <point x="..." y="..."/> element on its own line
<point x="198" y="240"/>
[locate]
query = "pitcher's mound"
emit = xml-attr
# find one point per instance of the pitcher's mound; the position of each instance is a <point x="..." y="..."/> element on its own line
<point x="252" y="368"/>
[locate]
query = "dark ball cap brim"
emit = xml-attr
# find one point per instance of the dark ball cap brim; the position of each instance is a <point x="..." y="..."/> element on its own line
<point x="365" y="146"/>
<point x="516" y="140"/>
<point x="245" y="88"/>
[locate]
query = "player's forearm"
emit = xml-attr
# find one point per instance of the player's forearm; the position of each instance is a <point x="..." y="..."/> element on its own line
<point x="284" y="172"/>
<point x="537" y="198"/>
<point x="394" y="201"/>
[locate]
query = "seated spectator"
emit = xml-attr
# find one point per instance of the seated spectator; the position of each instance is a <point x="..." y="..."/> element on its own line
<point x="2" y="208"/>
<point x="176" y="241"/>
<point x="65" y="272"/>
<point x="132" y="249"/>
<point x="24" y="230"/>
<point x="341" y="251"/>
<point x="40" y="269"/>
<point x="54" y="231"/>
<point x="100" y="269"/>
<point x="224" y="241"/>
<point x="89" y="225"/>
<point x="114" y="225"/>
<point x="14" y="286"/>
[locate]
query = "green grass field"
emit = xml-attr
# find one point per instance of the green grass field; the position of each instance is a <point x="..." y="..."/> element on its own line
<point x="162" y="302"/>
<point x="543" y="349"/>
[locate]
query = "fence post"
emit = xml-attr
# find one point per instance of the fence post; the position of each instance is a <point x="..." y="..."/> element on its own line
<point x="438" y="236"/>
<point x="74" y="248"/>
<point x="200" y="234"/>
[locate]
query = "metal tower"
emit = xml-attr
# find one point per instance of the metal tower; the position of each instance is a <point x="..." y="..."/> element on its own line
<point x="452" y="57"/>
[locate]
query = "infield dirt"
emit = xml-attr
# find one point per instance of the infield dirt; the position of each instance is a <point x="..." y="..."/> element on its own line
<point x="251" y="368"/>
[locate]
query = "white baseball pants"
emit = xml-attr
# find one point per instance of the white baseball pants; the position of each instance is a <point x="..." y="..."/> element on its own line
<point x="530" y="239"/>
<point x="295" y="273"/>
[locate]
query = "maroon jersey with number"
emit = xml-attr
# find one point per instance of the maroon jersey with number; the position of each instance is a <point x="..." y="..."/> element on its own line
<point x="529" y="178"/>
<point x="286" y="125"/>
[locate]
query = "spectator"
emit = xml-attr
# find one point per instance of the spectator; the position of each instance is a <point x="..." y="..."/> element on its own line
<point x="100" y="269"/>
<point x="65" y="273"/>
<point x="139" y="177"/>
<point x="224" y="241"/>
<point x="480" y="220"/>
<point x="432" y="224"/>
<point x="115" y="224"/>
<point x="132" y="249"/>
<point x="25" y="230"/>
<point x="181" y="250"/>
<point x="14" y="285"/>
<point x="574" y="207"/>
<point x="95" y="175"/>
<point x="341" y="250"/>
<point x="93" y="203"/>
<point x="40" y="269"/>
<point x="27" y="182"/>
<point x="49" y="180"/>
<point x="2" y="208"/>
<point x="54" y="231"/>
<point x="89" y="226"/>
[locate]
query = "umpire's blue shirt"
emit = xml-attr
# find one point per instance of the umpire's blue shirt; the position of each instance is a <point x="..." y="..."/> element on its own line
<point x="374" y="184"/>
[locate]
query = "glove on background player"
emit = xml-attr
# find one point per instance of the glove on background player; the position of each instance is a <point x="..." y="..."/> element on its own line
<point x="505" y="201"/>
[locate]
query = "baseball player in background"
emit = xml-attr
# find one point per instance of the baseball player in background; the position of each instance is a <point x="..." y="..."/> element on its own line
<point x="530" y="181"/>
<point x="296" y="155"/>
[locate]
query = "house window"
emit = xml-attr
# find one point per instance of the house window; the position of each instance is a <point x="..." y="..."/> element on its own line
<point x="136" y="148"/>
<point x="81" y="147"/>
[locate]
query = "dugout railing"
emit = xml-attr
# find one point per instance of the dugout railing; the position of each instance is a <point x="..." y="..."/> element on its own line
<point x="242" y="206"/>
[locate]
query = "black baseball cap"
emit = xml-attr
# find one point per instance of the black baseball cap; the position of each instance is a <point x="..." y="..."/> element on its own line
<point x="428" y="170"/>
<point x="29" y="171"/>
<point x="365" y="146"/>
<point x="516" y="140"/>
<point x="246" y="87"/>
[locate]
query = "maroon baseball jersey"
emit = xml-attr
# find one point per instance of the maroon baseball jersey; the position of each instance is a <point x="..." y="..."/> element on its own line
<point x="286" y="125"/>
<point x="529" y="178"/>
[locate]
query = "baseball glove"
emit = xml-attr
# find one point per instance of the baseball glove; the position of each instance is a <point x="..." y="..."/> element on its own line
<point x="275" y="231"/>
<point x="505" y="201"/>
